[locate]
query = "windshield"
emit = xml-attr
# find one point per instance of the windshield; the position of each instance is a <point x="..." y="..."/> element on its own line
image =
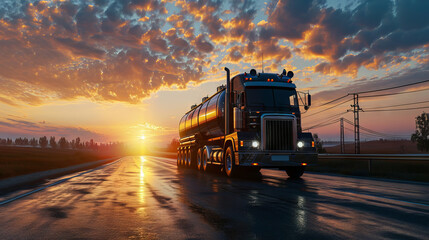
<point x="271" y="97"/>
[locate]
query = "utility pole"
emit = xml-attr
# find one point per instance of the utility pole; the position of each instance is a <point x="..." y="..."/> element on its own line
<point x="342" y="134"/>
<point x="356" y="110"/>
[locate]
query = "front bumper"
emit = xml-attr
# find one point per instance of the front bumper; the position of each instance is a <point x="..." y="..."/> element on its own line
<point x="278" y="159"/>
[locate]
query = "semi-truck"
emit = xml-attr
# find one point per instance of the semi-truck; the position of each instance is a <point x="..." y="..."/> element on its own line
<point x="252" y="122"/>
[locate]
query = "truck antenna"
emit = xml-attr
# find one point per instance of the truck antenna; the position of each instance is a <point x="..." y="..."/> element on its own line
<point x="262" y="62"/>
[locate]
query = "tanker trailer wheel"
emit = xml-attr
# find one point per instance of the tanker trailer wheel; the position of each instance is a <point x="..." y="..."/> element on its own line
<point x="229" y="164"/>
<point x="182" y="159"/>
<point x="204" y="160"/>
<point x="188" y="158"/>
<point x="199" y="159"/>
<point x="179" y="157"/>
<point x="295" y="172"/>
<point x="185" y="158"/>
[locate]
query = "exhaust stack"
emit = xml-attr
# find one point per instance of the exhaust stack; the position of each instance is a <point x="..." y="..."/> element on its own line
<point x="227" y="96"/>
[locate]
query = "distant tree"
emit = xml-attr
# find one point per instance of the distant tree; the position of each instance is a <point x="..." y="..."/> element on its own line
<point x="77" y="142"/>
<point x="92" y="144"/>
<point x="319" y="144"/>
<point x="174" y="144"/>
<point x="63" y="143"/>
<point x="43" y="141"/>
<point x="421" y="136"/>
<point x="52" y="142"/>
<point x="9" y="141"/>
<point x="33" y="142"/>
<point x="73" y="144"/>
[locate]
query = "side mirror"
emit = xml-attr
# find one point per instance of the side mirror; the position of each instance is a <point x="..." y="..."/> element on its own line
<point x="309" y="100"/>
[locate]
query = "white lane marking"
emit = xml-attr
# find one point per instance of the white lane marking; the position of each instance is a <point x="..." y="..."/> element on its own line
<point x="53" y="184"/>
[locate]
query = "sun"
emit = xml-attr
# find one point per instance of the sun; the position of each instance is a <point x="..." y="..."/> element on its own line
<point x="142" y="137"/>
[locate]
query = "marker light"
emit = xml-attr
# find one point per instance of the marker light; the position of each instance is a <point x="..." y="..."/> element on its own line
<point x="312" y="144"/>
<point x="255" y="164"/>
<point x="241" y="143"/>
<point x="304" y="164"/>
<point x="300" y="144"/>
<point x="255" y="144"/>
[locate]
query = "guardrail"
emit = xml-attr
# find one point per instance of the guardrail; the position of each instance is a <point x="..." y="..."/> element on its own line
<point x="371" y="157"/>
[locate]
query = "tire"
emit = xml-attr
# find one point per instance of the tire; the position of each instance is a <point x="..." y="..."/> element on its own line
<point x="183" y="156"/>
<point x="178" y="158"/>
<point x="204" y="163"/>
<point x="229" y="162"/>
<point x="188" y="158"/>
<point x="199" y="159"/>
<point x="295" y="172"/>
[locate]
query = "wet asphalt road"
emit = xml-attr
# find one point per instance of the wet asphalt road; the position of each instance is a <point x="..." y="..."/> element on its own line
<point x="149" y="198"/>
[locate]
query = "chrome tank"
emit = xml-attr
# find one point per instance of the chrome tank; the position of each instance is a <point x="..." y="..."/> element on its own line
<point x="206" y="120"/>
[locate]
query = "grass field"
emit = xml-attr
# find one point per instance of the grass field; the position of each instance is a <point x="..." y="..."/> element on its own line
<point x="16" y="161"/>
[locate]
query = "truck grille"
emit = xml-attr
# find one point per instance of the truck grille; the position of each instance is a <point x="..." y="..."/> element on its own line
<point x="280" y="134"/>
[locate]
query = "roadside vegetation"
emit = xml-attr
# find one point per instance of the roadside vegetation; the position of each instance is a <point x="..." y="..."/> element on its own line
<point x="24" y="156"/>
<point x="421" y="136"/>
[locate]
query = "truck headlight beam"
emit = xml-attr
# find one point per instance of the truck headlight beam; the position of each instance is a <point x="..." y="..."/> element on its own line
<point x="300" y="144"/>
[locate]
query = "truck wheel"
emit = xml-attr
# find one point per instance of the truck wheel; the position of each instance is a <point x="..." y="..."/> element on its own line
<point x="185" y="159"/>
<point x="205" y="167"/>
<point x="295" y="172"/>
<point x="188" y="159"/>
<point x="179" y="157"/>
<point x="183" y="156"/>
<point x="199" y="160"/>
<point x="229" y="164"/>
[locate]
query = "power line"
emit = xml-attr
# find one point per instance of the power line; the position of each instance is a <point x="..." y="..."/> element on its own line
<point x="321" y="125"/>
<point x="389" y="88"/>
<point x="398" y="105"/>
<point x="373" y="131"/>
<point x="337" y="99"/>
<point x="396" y="109"/>
<point x="332" y="117"/>
<point x="389" y="94"/>
<point x="364" y="133"/>
<point x="326" y="109"/>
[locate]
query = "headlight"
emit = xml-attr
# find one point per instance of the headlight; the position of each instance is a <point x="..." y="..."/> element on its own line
<point x="255" y="144"/>
<point x="300" y="144"/>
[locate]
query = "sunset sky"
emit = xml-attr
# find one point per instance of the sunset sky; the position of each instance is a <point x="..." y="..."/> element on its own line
<point x="114" y="70"/>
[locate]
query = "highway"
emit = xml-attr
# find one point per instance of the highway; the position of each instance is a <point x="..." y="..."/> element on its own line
<point x="150" y="198"/>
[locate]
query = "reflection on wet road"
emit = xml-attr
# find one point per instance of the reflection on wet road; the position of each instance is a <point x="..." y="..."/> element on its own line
<point x="149" y="198"/>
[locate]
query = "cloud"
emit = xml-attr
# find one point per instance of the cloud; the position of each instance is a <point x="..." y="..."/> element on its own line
<point x="291" y="19"/>
<point x="373" y="34"/>
<point x="70" y="49"/>
<point x="391" y="80"/>
<point x="126" y="50"/>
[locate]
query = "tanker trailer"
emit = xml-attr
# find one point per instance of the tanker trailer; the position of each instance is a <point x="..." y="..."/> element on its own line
<point x="251" y="123"/>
